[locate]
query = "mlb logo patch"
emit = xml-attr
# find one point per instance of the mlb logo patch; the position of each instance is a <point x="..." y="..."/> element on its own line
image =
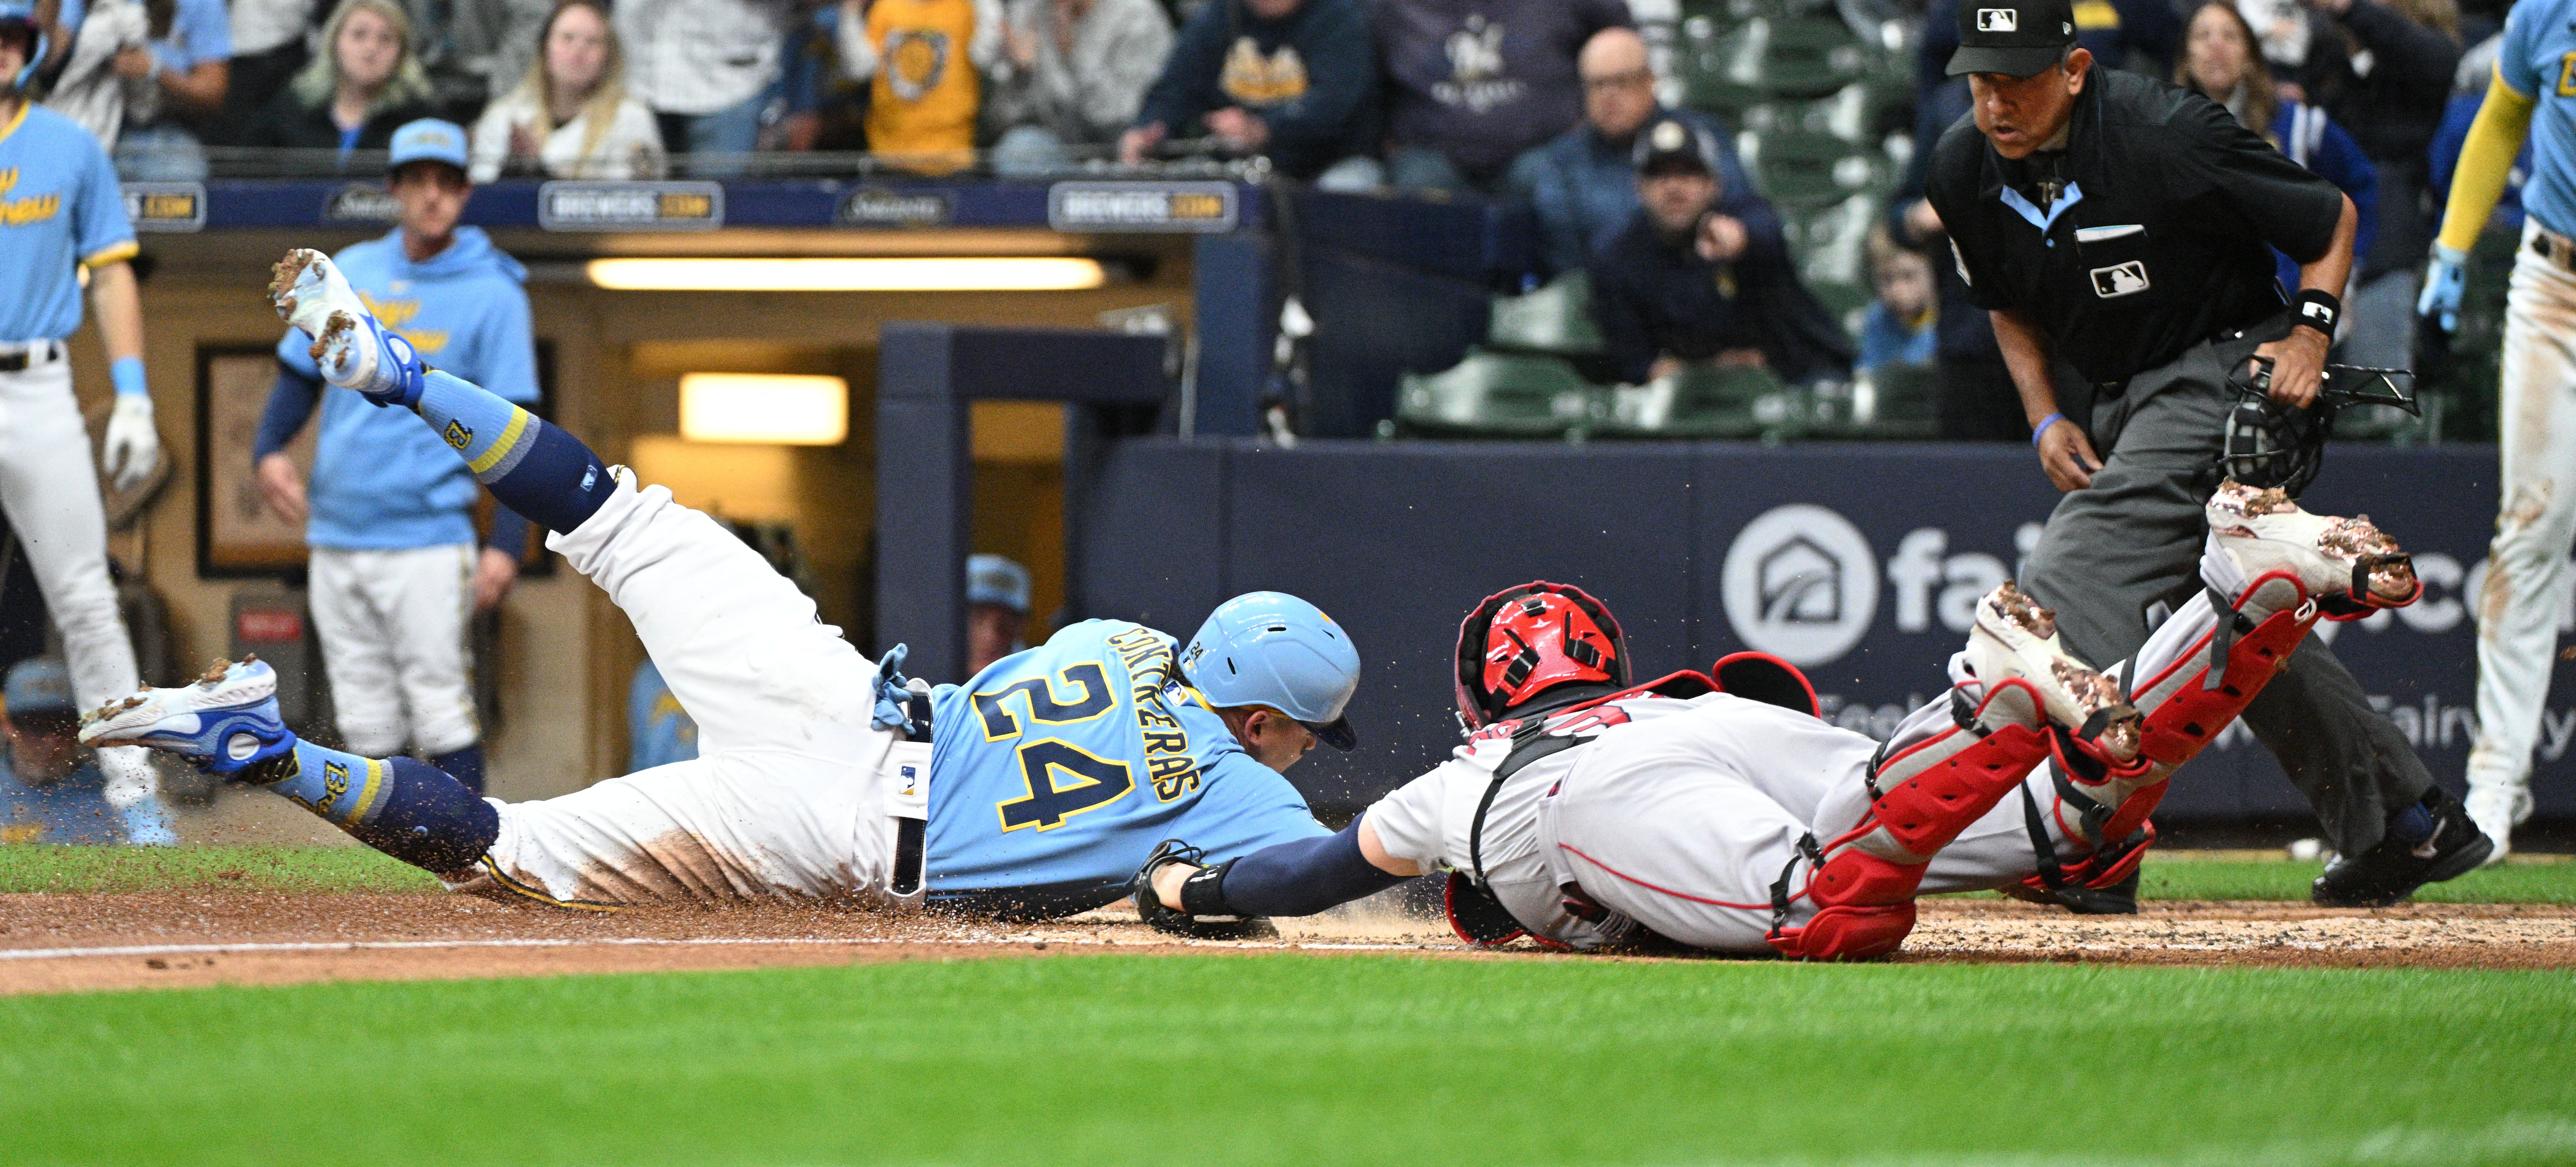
<point x="1998" y="20"/>
<point x="2317" y="312"/>
<point x="2121" y="279"/>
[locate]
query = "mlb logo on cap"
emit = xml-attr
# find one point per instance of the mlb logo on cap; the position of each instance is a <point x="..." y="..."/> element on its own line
<point x="1998" y="20"/>
<point x="2015" y="39"/>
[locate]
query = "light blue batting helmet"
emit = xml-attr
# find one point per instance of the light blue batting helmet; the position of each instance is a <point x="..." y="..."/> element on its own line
<point x="1271" y="648"/>
<point x="24" y="13"/>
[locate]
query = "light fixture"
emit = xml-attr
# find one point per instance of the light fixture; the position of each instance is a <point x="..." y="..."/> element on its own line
<point x="876" y="274"/>
<point x="764" y="407"/>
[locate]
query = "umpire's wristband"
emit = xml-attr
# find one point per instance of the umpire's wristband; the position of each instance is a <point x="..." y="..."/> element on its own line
<point x="2318" y="309"/>
<point x="2042" y="427"/>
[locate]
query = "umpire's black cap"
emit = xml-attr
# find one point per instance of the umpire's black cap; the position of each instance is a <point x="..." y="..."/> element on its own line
<point x="2015" y="38"/>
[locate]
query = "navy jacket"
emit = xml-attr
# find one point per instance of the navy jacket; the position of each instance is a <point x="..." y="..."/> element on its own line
<point x="1312" y="78"/>
<point x="1584" y="188"/>
<point x="1652" y="297"/>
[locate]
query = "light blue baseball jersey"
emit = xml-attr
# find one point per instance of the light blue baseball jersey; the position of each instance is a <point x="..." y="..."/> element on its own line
<point x="60" y="207"/>
<point x="1055" y="771"/>
<point x="2538" y="60"/>
<point x="382" y="480"/>
<point x="200" y="31"/>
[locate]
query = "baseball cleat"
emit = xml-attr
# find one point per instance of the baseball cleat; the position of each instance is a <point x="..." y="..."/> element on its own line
<point x="2451" y="846"/>
<point x="353" y="349"/>
<point x="2497" y="809"/>
<point x="2348" y="566"/>
<point x="2016" y="638"/>
<point x="225" y="723"/>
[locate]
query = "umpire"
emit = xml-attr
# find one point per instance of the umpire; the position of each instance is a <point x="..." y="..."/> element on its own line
<point x="2121" y="224"/>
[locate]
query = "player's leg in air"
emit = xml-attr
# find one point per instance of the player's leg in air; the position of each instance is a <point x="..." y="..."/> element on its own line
<point x="786" y="794"/>
<point x="1709" y="827"/>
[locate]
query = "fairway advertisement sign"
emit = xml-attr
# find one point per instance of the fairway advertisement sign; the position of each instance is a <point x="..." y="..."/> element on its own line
<point x="1142" y="206"/>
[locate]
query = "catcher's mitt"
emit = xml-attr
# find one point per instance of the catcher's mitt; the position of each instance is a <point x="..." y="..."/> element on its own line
<point x="1205" y="914"/>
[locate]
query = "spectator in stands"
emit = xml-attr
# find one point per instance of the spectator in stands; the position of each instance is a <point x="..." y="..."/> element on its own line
<point x="91" y="90"/>
<point x="497" y="42"/>
<point x="1584" y="184"/>
<point x="2222" y="61"/>
<point x="1073" y="73"/>
<point x="356" y="95"/>
<point x="1472" y="84"/>
<point x="2383" y="72"/>
<point x="268" y="51"/>
<point x="188" y="63"/>
<point x="51" y="790"/>
<point x="570" y="116"/>
<point x="997" y="610"/>
<point x="923" y="61"/>
<point x="705" y="68"/>
<point x="1292" y="80"/>
<point x="1902" y="324"/>
<point x="824" y="108"/>
<point x="1685" y="283"/>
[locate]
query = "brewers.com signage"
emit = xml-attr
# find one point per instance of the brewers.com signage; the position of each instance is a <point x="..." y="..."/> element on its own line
<point x="630" y="206"/>
<point x="1141" y="206"/>
<point x="166" y="206"/>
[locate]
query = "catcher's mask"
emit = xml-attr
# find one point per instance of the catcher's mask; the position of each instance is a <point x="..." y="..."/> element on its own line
<point x="1537" y="639"/>
<point x="2268" y="444"/>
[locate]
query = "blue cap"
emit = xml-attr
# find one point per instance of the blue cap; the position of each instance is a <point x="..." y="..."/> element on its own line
<point x="21" y="12"/>
<point x="429" y="140"/>
<point x="1271" y="648"/>
<point x="996" y="579"/>
<point x="40" y="684"/>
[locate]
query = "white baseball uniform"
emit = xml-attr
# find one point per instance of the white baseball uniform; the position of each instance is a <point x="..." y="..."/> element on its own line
<point x="1681" y="815"/>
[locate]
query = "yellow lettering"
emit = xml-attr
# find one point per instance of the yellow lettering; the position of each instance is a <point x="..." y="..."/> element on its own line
<point x="2567" y="75"/>
<point x="32" y="209"/>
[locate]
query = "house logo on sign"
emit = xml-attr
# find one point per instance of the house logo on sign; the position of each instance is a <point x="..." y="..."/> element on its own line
<point x="1800" y="582"/>
<point x="2120" y="279"/>
<point x="1998" y="20"/>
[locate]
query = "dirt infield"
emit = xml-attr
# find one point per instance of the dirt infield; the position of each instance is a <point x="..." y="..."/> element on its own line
<point x="70" y="943"/>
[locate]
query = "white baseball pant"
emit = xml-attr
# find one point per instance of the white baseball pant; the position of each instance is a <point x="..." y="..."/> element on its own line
<point x="393" y="626"/>
<point x="2526" y="581"/>
<point x="786" y="796"/>
<point x="49" y="489"/>
<point x="1686" y="827"/>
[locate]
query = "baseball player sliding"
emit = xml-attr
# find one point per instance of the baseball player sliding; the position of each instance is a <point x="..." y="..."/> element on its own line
<point x="2527" y="565"/>
<point x="60" y="211"/>
<point x="1722" y="813"/>
<point x="1044" y="784"/>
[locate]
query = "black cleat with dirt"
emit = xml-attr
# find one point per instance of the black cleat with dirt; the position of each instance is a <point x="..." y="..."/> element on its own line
<point x="2390" y="872"/>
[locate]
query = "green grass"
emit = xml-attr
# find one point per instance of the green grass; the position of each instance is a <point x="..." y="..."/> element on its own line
<point x="108" y="869"/>
<point x="1312" y="1060"/>
<point x="2170" y="875"/>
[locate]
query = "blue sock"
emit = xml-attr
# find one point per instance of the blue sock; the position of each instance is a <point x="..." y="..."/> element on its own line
<point x="465" y="765"/>
<point x="407" y="809"/>
<point x="531" y="466"/>
<point x="2412" y="824"/>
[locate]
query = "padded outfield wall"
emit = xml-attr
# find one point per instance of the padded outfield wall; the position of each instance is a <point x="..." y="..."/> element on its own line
<point x="1861" y="563"/>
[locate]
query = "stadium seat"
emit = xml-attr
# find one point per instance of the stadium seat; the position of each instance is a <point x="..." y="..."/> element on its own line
<point x="1798" y="169"/>
<point x="1701" y="401"/>
<point x="1500" y="394"/>
<point x="1554" y="319"/>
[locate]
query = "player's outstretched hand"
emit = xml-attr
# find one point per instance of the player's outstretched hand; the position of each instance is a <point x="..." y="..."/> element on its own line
<point x="133" y="446"/>
<point x="2067" y="455"/>
<point x="2298" y="366"/>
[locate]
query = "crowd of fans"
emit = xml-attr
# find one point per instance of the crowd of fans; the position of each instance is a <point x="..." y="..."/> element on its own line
<point x="1536" y="100"/>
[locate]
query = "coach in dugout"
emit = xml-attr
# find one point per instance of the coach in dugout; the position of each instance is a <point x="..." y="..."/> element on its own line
<point x="2121" y="224"/>
<point x="395" y="570"/>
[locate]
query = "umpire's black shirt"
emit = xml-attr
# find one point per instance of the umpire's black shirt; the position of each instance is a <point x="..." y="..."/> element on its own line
<point x="2156" y="238"/>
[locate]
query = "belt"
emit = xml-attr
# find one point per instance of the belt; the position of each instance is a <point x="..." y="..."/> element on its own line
<point x="26" y="356"/>
<point x="2554" y="247"/>
<point x="905" y="880"/>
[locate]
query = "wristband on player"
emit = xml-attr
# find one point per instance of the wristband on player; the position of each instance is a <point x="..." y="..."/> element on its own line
<point x="2042" y="427"/>
<point x="2317" y="309"/>
<point x="127" y="373"/>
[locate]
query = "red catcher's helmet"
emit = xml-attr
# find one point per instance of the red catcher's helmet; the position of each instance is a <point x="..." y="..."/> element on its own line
<point x="1537" y="639"/>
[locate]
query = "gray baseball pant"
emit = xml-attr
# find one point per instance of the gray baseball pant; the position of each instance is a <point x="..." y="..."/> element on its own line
<point x="2113" y="549"/>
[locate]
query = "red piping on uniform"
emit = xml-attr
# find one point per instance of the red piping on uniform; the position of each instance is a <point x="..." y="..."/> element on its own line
<point x="1668" y="891"/>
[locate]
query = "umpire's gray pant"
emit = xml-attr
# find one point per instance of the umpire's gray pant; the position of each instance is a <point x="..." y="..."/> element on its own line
<point x="2115" y="548"/>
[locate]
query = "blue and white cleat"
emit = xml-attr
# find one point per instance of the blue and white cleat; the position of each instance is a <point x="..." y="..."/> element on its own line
<point x="353" y="349"/>
<point x="225" y="723"/>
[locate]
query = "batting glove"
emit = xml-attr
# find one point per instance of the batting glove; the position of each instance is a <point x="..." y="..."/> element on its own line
<point x="2443" y="279"/>
<point x="133" y="445"/>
